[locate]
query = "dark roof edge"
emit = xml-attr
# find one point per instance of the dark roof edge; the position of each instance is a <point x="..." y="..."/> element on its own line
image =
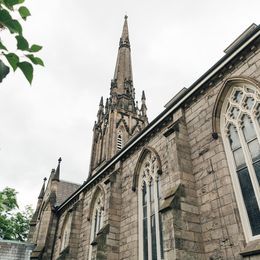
<point x="195" y="86"/>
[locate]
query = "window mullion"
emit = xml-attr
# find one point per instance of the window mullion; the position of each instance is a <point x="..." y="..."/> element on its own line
<point x="256" y="126"/>
<point x="249" y="164"/>
<point x="98" y="221"/>
<point x="156" y="209"/>
<point x="236" y="184"/>
<point x="149" y="230"/>
<point x="141" y="215"/>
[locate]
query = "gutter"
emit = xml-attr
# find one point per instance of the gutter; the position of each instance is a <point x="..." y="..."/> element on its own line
<point x="194" y="87"/>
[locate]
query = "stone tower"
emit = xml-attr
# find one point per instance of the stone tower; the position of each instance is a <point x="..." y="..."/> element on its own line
<point x="120" y="118"/>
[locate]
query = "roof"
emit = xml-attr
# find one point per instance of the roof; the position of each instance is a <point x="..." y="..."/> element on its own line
<point x="64" y="190"/>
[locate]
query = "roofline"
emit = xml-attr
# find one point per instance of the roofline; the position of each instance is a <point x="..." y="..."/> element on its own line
<point x="166" y="112"/>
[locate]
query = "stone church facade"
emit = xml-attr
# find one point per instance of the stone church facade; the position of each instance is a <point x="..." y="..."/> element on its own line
<point x="184" y="186"/>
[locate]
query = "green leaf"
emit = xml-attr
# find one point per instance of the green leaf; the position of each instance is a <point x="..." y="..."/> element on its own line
<point x="2" y="47"/>
<point x="14" y="26"/>
<point x="22" y="43"/>
<point x="4" y="70"/>
<point x="27" y="70"/>
<point x="10" y="3"/>
<point x="7" y="21"/>
<point x="24" y="12"/>
<point x="35" y="60"/>
<point x="35" y="48"/>
<point x="5" y="16"/>
<point x="13" y="60"/>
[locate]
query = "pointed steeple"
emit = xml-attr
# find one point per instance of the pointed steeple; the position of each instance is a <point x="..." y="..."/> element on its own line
<point x="122" y="83"/>
<point x="42" y="189"/>
<point x="56" y="176"/>
<point x="120" y="112"/>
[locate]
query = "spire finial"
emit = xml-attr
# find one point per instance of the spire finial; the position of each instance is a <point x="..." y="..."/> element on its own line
<point x="126" y="16"/>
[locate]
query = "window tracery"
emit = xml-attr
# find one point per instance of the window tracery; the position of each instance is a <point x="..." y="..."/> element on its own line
<point x="149" y="217"/>
<point x="240" y="126"/>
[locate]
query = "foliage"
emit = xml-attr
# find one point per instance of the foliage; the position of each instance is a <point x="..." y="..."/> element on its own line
<point x="27" y="58"/>
<point x="14" y="224"/>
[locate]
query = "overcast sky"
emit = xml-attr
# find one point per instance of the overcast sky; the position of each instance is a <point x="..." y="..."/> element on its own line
<point x="173" y="43"/>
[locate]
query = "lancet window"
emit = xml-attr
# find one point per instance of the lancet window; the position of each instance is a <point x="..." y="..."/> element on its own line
<point x="150" y="239"/>
<point x="97" y="218"/>
<point x="240" y="126"/>
<point x="66" y="232"/>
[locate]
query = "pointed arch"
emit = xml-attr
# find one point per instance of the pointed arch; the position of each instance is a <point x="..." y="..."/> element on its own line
<point x="65" y="231"/>
<point x="96" y="216"/>
<point x="138" y="166"/>
<point x="122" y="123"/>
<point x="99" y="190"/>
<point x="121" y="135"/>
<point x="146" y="180"/>
<point x="237" y="119"/>
<point x="222" y="95"/>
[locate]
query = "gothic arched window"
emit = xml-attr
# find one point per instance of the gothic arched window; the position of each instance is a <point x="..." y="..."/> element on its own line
<point x="240" y="127"/>
<point x="65" y="233"/>
<point x="150" y="235"/>
<point x="97" y="217"/>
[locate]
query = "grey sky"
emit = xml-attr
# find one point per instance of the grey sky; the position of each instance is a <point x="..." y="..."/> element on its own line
<point x="173" y="43"/>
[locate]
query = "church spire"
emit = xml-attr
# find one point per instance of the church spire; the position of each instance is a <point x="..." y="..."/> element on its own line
<point x="119" y="117"/>
<point x="122" y="82"/>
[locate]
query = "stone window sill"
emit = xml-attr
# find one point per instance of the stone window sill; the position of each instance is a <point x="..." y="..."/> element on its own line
<point x="252" y="248"/>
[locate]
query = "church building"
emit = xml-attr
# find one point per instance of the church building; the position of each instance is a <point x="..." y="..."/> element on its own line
<point x="185" y="186"/>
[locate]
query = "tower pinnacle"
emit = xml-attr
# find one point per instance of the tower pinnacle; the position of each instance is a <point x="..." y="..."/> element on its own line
<point x="42" y="189"/>
<point x="56" y="176"/>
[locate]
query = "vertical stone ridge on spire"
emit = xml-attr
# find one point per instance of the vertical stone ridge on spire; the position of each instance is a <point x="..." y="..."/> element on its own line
<point x="122" y="82"/>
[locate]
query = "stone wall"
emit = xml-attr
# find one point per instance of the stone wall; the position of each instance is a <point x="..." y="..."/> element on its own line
<point x="14" y="250"/>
